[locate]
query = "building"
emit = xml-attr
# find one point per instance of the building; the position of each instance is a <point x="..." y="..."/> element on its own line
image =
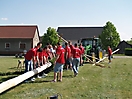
<point x="122" y="45"/>
<point x="16" y="39"/>
<point x="76" y="33"/>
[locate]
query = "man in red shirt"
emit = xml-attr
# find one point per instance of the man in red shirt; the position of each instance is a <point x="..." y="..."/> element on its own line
<point x="31" y="59"/>
<point x="68" y="56"/>
<point x="76" y="59"/>
<point x="82" y="51"/>
<point x="40" y="56"/>
<point x="45" y="54"/>
<point x="109" y="54"/>
<point x="59" y="62"/>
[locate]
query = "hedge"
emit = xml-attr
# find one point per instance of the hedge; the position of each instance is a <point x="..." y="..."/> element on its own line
<point x="128" y="51"/>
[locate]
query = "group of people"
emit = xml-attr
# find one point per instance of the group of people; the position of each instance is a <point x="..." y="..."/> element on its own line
<point x="70" y="56"/>
<point x="37" y="57"/>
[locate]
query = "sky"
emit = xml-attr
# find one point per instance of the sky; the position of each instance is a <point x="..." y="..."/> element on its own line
<point x="54" y="13"/>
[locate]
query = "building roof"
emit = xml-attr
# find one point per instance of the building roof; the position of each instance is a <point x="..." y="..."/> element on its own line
<point x="76" y="33"/>
<point x="18" y="31"/>
<point x="124" y="42"/>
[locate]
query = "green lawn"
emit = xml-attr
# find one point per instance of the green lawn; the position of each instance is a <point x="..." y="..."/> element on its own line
<point x="93" y="82"/>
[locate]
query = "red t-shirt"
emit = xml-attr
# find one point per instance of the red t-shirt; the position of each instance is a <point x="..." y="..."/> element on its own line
<point x="30" y="54"/>
<point x="82" y="49"/>
<point x="72" y="47"/>
<point x="61" y="52"/>
<point x="109" y="51"/>
<point x="76" y="53"/>
<point x="45" y="54"/>
<point x="40" y="55"/>
<point x="68" y="50"/>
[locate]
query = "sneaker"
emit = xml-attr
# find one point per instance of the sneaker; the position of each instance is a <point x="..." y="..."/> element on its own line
<point x="45" y="74"/>
<point x="39" y="77"/>
<point x="75" y="74"/>
<point x="32" y="79"/>
<point x="59" y="80"/>
<point x="53" y="81"/>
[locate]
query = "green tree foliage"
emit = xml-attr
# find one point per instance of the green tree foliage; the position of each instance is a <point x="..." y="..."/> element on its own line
<point x="129" y="41"/>
<point x="50" y="37"/>
<point x="109" y="36"/>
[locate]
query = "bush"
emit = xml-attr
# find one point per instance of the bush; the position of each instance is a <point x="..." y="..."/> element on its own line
<point x="128" y="51"/>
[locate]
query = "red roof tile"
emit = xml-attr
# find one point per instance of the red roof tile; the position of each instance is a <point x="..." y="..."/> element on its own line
<point x="17" y="31"/>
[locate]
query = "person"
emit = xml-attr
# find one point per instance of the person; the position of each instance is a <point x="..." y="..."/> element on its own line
<point x="82" y="53"/>
<point x="76" y="59"/>
<point x="68" y="58"/>
<point x="31" y="60"/>
<point x="52" y="51"/>
<point x="24" y="52"/>
<point x="40" y="60"/>
<point x="45" y="55"/>
<point x="109" y="54"/>
<point x="87" y="49"/>
<point x="59" y="62"/>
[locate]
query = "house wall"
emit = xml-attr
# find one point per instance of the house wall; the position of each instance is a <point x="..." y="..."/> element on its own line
<point x="14" y="46"/>
<point x="35" y="39"/>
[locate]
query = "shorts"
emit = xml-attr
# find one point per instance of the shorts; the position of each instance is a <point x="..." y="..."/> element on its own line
<point x="58" y="67"/>
<point x="69" y="61"/>
<point x="109" y="57"/>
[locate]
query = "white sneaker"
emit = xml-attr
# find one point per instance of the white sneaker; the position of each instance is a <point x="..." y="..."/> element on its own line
<point x="39" y="77"/>
<point x="32" y="79"/>
<point x="45" y="74"/>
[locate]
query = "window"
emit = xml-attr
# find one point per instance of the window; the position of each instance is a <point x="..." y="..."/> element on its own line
<point x="22" y="45"/>
<point x="7" y="45"/>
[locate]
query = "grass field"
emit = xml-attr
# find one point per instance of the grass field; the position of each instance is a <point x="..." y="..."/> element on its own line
<point x="92" y="82"/>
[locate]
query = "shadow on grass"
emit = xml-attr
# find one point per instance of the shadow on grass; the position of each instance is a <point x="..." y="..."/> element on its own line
<point x="13" y="68"/>
<point x="41" y="81"/>
<point x="11" y="73"/>
<point x="7" y="78"/>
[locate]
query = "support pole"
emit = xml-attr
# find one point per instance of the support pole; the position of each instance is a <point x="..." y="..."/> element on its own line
<point x="62" y="38"/>
<point x="17" y="80"/>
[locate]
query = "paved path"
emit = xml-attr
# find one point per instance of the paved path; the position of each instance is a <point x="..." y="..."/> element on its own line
<point x="122" y="56"/>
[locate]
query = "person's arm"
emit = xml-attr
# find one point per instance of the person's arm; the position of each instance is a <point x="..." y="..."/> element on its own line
<point x="37" y="59"/>
<point x="57" y="57"/>
<point x="34" y="62"/>
<point x="44" y="59"/>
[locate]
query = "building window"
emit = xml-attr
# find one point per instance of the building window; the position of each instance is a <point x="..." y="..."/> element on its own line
<point x="22" y="45"/>
<point x="7" y="45"/>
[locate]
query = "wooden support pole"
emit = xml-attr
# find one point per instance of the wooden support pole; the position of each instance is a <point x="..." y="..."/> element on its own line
<point x="17" y="80"/>
<point x="92" y="57"/>
<point x="97" y="64"/>
<point x="62" y="38"/>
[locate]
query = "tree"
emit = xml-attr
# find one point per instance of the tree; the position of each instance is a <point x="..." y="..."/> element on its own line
<point x="50" y="37"/>
<point x="109" y="36"/>
<point x="129" y="41"/>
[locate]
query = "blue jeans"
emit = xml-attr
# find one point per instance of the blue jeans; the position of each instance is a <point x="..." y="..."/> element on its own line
<point x="75" y="66"/>
<point x="28" y="65"/>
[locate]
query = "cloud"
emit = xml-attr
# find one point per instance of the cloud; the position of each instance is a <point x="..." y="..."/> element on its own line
<point x="4" y="19"/>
